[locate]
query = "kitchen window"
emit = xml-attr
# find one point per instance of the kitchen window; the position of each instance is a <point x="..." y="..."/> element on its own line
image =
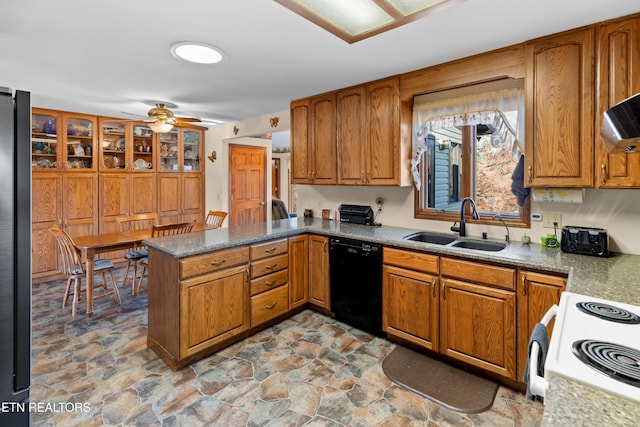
<point x="469" y="143"/>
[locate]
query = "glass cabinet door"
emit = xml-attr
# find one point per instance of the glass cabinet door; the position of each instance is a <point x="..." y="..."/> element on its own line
<point x="113" y="143"/>
<point x="44" y="141"/>
<point x="191" y="147"/>
<point x="169" y="151"/>
<point x="78" y="133"/>
<point x="142" y="148"/>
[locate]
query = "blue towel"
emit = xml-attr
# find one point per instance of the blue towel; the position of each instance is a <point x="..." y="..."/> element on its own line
<point x="541" y="336"/>
<point x="517" y="183"/>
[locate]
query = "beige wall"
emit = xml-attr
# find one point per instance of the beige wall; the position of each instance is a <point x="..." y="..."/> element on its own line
<point x="218" y="138"/>
<point x="616" y="210"/>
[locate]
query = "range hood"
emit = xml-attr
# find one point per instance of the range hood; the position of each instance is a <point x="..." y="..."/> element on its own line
<point x="621" y="126"/>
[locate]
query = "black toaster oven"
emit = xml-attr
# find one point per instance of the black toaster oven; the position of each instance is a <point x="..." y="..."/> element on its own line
<point x="585" y="241"/>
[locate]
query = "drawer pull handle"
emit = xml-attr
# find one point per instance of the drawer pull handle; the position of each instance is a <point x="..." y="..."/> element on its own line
<point x="270" y="266"/>
<point x="270" y="283"/>
<point x="270" y="251"/>
<point x="271" y="306"/>
<point x="219" y="262"/>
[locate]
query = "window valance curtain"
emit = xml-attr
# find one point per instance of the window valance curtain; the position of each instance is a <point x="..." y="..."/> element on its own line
<point x="501" y="110"/>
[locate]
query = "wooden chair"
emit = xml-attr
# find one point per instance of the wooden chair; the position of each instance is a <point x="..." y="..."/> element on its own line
<point x="215" y="218"/>
<point x="159" y="231"/>
<point x="129" y="223"/>
<point x="72" y="267"/>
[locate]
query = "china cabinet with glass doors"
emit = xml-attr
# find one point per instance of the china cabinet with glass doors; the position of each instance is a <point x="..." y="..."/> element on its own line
<point x="126" y="147"/>
<point x="127" y="184"/>
<point x="64" y="181"/>
<point x="62" y="141"/>
<point x="180" y="180"/>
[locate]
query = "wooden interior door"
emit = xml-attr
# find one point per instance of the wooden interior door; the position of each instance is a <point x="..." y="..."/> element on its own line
<point x="247" y="191"/>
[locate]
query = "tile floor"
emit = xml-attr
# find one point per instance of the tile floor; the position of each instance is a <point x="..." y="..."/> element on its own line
<point x="308" y="370"/>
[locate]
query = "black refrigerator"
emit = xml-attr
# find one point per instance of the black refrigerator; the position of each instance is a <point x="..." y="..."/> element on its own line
<point x="15" y="256"/>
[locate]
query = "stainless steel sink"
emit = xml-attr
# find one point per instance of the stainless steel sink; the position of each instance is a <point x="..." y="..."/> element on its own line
<point x="438" y="239"/>
<point x="480" y="246"/>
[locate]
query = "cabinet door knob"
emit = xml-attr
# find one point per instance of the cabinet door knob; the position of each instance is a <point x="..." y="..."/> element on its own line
<point x="270" y="306"/>
<point x="530" y="174"/>
<point x="218" y="262"/>
<point x="270" y="266"/>
<point x="524" y="284"/>
<point x="604" y="174"/>
<point x="271" y="250"/>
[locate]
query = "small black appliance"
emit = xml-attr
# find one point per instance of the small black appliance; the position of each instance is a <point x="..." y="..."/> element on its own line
<point x="585" y="241"/>
<point x="356" y="214"/>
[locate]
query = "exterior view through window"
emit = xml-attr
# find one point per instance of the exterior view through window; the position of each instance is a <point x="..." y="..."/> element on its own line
<point x="481" y="161"/>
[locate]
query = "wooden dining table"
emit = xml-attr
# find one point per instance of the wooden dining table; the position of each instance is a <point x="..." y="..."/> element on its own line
<point x="94" y="244"/>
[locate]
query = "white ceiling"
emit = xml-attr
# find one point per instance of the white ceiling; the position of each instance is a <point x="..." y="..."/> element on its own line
<point x="110" y="57"/>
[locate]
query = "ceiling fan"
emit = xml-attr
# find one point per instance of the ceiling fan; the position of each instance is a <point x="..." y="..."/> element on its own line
<point x="162" y="120"/>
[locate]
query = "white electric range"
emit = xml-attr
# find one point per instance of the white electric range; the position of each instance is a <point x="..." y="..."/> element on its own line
<point x="596" y="342"/>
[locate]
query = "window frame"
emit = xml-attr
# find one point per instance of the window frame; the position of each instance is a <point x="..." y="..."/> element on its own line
<point x="422" y="211"/>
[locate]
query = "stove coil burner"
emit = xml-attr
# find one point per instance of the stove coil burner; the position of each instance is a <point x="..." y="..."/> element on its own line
<point x="617" y="361"/>
<point x="608" y="312"/>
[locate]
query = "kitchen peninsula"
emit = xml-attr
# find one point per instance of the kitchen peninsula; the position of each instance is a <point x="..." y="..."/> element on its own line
<point x="226" y="260"/>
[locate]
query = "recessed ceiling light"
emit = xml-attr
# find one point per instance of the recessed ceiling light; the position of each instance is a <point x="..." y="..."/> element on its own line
<point x="200" y="53"/>
<point x="355" y="20"/>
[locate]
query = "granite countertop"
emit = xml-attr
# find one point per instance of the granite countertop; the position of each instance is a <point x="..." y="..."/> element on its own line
<point x="614" y="278"/>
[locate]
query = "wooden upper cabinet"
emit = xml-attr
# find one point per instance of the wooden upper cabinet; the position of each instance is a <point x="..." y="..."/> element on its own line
<point x="559" y="110"/>
<point x="618" y="53"/>
<point x="383" y="132"/>
<point x="300" y="141"/>
<point x="79" y="142"/>
<point x="323" y="133"/>
<point x="368" y="134"/>
<point x="313" y="135"/>
<point x="351" y="136"/>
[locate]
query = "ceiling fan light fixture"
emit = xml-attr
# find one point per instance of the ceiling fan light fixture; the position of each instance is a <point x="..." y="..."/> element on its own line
<point x="161" y="127"/>
<point x="200" y="53"/>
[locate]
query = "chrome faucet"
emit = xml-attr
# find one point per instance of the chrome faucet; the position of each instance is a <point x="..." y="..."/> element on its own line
<point x="461" y="228"/>
<point x="506" y="237"/>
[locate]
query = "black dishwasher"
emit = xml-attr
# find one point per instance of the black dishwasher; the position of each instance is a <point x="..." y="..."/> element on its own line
<point x="355" y="273"/>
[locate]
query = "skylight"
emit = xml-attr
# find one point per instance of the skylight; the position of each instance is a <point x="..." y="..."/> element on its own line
<point x="355" y="20"/>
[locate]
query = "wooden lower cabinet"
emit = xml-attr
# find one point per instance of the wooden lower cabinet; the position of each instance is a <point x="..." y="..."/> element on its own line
<point x="269" y="280"/>
<point x="298" y="271"/>
<point x="180" y="197"/>
<point x="410" y="296"/>
<point x="319" y="293"/>
<point x="67" y="200"/>
<point x="536" y="293"/>
<point x="196" y="303"/>
<point x="213" y="308"/>
<point x="478" y="315"/>
<point x="478" y="326"/>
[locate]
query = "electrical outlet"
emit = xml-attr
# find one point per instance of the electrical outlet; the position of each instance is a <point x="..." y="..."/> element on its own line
<point x="380" y="203"/>
<point x="549" y="218"/>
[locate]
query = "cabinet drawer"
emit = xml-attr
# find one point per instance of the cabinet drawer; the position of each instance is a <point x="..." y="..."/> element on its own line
<point x="411" y="260"/>
<point x="479" y="273"/>
<point x="268" y="249"/>
<point x="268" y="305"/>
<point x="270" y="281"/>
<point x="207" y="263"/>
<point x="269" y="265"/>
